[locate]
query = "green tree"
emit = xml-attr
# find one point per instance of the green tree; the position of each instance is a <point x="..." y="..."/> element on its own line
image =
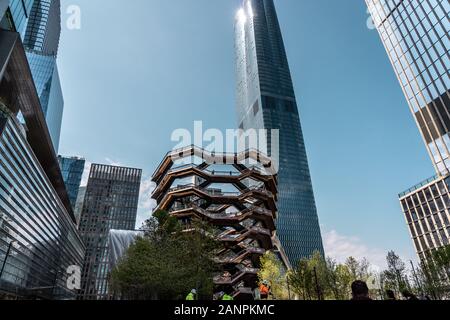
<point x="301" y="280"/>
<point x="359" y="269"/>
<point x="433" y="274"/>
<point x="441" y="258"/>
<point x="311" y="278"/>
<point x="430" y="279"/>
<point x="272" y="270"/>
<point x="395" y="278"/>
<point x="167" y="262"/>
<point x="319" y="270"/>
<point x="324" y="278"/>
<point x="340" y="279"/>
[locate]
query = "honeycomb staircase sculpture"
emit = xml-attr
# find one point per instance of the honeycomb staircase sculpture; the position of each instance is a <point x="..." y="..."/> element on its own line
<point x="245" y="217"/>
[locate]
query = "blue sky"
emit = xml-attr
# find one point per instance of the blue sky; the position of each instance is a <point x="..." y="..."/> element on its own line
<point x="135" y="72"/>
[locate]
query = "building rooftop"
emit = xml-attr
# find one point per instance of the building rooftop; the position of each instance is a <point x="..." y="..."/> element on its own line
<point x="419" y="185"/>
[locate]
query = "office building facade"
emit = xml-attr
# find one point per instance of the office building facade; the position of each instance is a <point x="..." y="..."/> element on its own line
<point x="110" y="202"/>
<point x="416" y="37"/>
<point x="38" y="237"/>
<point x="72" y="169"/>
<point x="266" y="100"/>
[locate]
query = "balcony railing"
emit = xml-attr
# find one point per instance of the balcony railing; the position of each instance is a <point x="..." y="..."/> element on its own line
<point x="208" y="155"/>
<point x="419" y="185"/>
<point x="213" y="192"/>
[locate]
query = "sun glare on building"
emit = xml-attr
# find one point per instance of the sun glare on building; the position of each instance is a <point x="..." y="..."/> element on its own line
<point x="241" y="16"/>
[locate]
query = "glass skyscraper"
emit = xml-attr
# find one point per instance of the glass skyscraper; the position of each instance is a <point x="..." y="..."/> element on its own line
<point x="72" y="171"/>
<point x="110" y="202"/>
<point x="415" y="34"/>
<point x="41" y="41"/>
<point x="39" y="24"/>
<point x="38" y="236"/>
<point x="39" y="241"/>
<point x="266" y="100"/>
<point x="44" y="27"/>
<point x="14" y="14"/>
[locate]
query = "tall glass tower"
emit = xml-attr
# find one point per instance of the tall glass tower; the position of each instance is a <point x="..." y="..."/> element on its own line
<point x="416" y="37"/>
<point x="266" y="100"/>
<point x="17" y="14"/>
<point x="41" y="41"/>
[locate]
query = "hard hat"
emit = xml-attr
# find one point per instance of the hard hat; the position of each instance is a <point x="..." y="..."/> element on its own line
<point x="194" y="291"/>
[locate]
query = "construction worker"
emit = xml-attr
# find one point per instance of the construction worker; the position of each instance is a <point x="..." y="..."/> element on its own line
<point x="264" y="290"/>
<point x="224" y="297"/>
<point x="227" y="297"/>
<point x="192" y="295"/>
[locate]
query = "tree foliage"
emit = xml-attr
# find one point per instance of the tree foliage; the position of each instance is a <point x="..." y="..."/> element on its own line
<point x="441" y="258"/>
<point x="319" y="278"/>
<point x="272" y="270"/>
<point x="167" y="262"/>
<point x="395" y="278"/>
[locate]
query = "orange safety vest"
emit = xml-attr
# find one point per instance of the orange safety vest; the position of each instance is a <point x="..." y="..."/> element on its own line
<point x="264" y="290"/>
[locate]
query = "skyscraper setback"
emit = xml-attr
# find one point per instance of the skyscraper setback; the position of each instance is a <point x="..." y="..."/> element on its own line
<point x="416" y="37"/>
<point x="266" y="100"/>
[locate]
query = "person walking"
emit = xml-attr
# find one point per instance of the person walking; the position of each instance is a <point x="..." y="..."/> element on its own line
<point x="192" y="295"/>
<point x="224" y="297"/>
<point x="264" y="290"/>
<point x="227" y="297"/>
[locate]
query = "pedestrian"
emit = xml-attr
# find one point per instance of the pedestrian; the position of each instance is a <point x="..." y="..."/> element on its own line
<point x="192" y="295"/>
<point x="224" y="297"/>
<point x="264" y="290"/>
<point x="360" y="291"/>
<point x="227" y="297"/>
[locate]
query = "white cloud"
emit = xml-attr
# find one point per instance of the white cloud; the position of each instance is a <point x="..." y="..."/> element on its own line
<point x="114" y="163"/>
<point x="340" y="247"/>
<point x="146" y="203"/>
<point x="147" y="187"/>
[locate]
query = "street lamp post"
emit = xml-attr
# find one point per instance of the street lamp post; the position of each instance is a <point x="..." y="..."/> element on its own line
<point x="6" y="258"/>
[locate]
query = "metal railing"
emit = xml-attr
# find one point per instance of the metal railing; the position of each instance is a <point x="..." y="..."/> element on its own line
<point x="419" y="185"/>
<point x="208" y="154"/>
